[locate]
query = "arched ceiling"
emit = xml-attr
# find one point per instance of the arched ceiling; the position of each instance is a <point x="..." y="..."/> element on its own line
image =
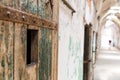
<point x="103" y="10"/>
<point x="102" y="6"/>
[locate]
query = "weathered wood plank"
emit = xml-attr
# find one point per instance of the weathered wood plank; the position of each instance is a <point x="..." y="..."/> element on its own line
<point x="17" y="4"/>
<point x="2" y="51"/>
<point x="24" y="5"/>
<point x="32" y="6"/>
<point x="45" y="69"/>
<point x="6" y="50"/>
<point x="55" y="41"/>
<point x="20" y="52"/>
<point x="54" y="54"/>
<point x="41" y="5"/>
<point x="48" y="9"/>
<point x="45" y="9"/>
<point x="32" y="72"/>
<point x="9" y="3"/>
<point x="13" y="15"/>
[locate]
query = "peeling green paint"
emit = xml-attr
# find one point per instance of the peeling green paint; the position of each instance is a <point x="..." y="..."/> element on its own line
<point x="10" y="66"/>
<point x="48" y="10"/>
<point x="80" y="69"/>
<point x="24" y="5"/>
<point x="10" y="51"/>
<point x="6" y="38"/>
<point x="2" y="27"/>
<point x="3" y="62"/>
<point x="32" y="6"/>
<point x="1" y="37"/>
<point x="3" y="66"/>
<point x="45" y="10"/>
<point x="41" y="8"/>
<point x="74" y="58"/>
<point x="45" y="55"/>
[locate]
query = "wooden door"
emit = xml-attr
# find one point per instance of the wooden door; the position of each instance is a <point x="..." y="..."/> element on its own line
<point x="28" y="40"/>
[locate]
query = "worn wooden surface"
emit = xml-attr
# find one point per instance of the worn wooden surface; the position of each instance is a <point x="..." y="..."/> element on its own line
<point x="20" y="52"/>
<point x="45" y="55"/>
<point x="32" y="6"/>
<point x="31" y="72"/>
<point x="17" y="16"/>
<point x="6" y="50"/>
<point x="13" y="42"/>
<point x="55" y="38"/>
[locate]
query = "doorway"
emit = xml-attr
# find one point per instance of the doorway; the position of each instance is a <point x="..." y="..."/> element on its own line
<point x="87" y="51"/>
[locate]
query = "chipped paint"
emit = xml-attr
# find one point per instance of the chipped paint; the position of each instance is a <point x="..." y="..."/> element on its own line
<point x="24" y="5"/>
<point x="71" y="31"/>
<point x="32" y="6"/>
<point x="41" y="6"/>
<point x="6" y="50"/>
<point x="45" y="55"/>
<point x="13" y="37"/>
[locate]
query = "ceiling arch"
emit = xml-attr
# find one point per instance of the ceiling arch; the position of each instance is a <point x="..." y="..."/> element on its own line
<point x="112" y="14"/>
<point x="102" y="6"/>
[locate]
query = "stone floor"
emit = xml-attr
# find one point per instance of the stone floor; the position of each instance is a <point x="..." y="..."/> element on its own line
<point x="107" y="66"/>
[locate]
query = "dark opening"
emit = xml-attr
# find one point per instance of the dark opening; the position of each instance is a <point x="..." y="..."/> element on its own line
<point x="32" y="46"/>
<point x="86" y="53"/>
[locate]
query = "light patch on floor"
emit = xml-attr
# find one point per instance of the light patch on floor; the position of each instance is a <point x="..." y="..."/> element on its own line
<point x="107" y="66"/>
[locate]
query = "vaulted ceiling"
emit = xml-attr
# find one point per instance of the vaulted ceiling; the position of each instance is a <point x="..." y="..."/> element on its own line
<point x="102" y="6"/>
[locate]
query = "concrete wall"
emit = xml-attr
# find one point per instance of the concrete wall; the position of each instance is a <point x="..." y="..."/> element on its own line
<point x="71" y="36"/>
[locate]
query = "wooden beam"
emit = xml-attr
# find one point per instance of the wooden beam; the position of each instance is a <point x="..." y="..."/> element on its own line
<point x="17" y="16"/>
<point x="69" y="6"/>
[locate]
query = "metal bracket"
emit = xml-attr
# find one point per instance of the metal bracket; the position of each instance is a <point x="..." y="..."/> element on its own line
<point x="17" y="16"/>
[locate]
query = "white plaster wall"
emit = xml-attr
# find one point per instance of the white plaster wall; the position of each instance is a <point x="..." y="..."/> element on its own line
<point x="90" y="13"/>
<point x="71" y="40"/>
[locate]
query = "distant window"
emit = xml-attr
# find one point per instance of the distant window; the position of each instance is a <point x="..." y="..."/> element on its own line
<point x="32" y="46"/>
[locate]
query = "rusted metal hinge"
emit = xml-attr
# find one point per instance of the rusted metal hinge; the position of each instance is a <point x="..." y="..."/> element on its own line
<point x="17" y="16"/>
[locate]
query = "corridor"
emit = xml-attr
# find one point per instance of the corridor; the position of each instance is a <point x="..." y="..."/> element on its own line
<point x="107" y="66"/>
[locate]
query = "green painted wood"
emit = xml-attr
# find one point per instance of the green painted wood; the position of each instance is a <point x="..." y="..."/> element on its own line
<point x="45" y="9"/>
<point x="45" y="55"/>
<point x="24" y="5"/>
<point x="16" y="35"/>
<point x="2" y="61"/>
<point x="41" y="6"/>
<point x="48" y="10"/>
<point x="32" y="6"/>
<point x="6" y="50"/>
